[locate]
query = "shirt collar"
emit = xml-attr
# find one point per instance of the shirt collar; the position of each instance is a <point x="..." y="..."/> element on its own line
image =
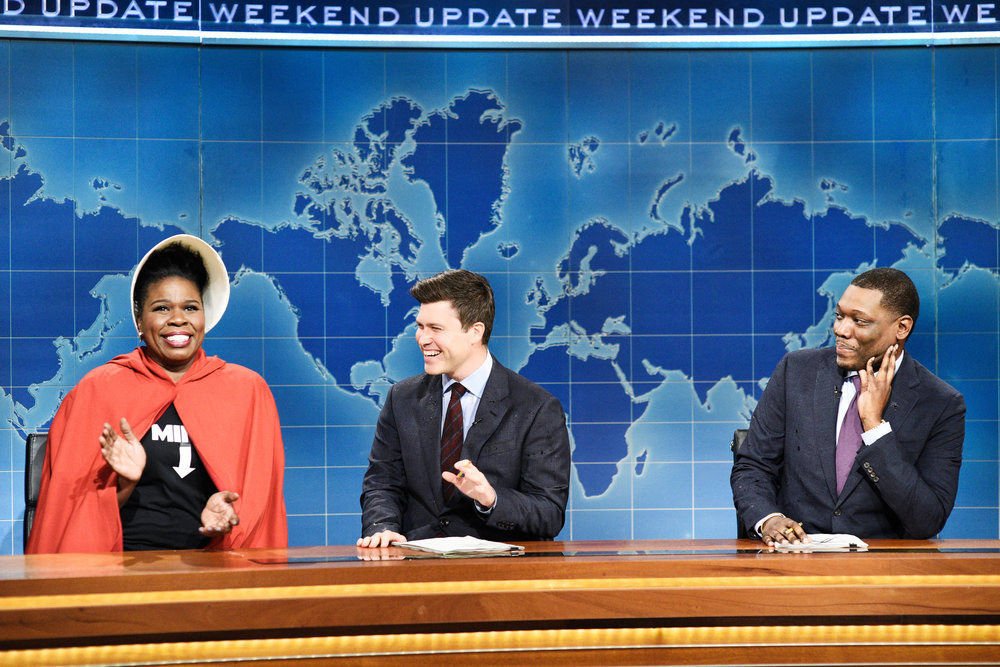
<point x="476" y="382"/>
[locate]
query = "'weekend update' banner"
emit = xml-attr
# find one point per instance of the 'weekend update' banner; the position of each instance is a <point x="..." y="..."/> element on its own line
<point x="569" y="23"/>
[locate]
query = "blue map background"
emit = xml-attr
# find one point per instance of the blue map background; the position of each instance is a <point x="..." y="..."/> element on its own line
<point x="659" y="228"/>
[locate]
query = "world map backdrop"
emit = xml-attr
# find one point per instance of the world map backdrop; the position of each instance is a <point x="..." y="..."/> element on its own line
<point x="659" y="226"/>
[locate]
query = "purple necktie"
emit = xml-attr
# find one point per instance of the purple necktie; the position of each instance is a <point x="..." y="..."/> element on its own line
<point x="849" y="441"/>
<point x="451" y="437"/>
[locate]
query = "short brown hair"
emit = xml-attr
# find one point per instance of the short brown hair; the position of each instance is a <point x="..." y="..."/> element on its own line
<point x="469" y="293"/>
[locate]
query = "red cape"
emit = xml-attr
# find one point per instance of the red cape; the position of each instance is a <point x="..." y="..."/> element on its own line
<point x="232" y="421"/>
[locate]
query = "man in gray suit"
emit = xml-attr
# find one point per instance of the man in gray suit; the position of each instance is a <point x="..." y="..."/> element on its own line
<point x="858" y="438"/>
<point x="468" y="447"/>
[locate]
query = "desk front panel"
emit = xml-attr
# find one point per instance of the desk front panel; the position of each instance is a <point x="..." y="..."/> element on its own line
<point x="594" y="588"/>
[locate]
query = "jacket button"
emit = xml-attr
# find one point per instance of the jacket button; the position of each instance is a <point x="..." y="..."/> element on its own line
<point x="874" y="478"/>
<point x="443" y="523"/>
<point x="836" y="512"/>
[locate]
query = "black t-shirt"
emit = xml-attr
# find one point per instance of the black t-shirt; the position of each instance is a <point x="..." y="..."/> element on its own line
<point x="164" y="510"/>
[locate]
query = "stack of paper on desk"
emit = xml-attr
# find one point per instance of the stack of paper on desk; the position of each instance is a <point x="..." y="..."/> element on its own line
<point x="455" y="546"/>
<point x="827" y="542"/>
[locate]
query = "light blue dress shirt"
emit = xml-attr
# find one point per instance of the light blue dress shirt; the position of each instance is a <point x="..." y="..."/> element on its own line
<point x="474" y="386"/>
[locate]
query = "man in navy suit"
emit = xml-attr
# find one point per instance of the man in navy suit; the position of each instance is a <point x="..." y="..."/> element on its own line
<point x="511" y="479"/>
<point x="798" y="471"/>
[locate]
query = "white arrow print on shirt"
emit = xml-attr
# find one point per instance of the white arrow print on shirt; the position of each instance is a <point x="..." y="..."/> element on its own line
<point x="183" y="468"/>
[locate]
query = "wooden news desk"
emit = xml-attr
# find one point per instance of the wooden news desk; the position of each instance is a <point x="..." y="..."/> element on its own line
<point x="653" y="602"/>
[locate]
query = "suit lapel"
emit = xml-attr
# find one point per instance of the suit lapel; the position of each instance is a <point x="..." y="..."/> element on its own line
<point x="429" y="438"/>
<point x="492" y="408"/>
<point x="904" y="393"/>
<point x="826" y="398"/>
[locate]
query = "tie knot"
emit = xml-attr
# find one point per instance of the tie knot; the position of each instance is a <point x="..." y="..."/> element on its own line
<point x="457" y="389"/>
<point x="856" y="379"/>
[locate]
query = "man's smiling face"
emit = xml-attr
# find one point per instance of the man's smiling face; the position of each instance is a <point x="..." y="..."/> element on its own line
<point x="865" y="329"/>
<point x="446" y="346"/>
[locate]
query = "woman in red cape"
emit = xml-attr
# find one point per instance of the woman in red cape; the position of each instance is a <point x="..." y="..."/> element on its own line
<point x="95" y="457"/>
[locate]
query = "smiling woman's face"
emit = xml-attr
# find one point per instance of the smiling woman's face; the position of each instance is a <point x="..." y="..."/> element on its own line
<point x="172" y="324"/>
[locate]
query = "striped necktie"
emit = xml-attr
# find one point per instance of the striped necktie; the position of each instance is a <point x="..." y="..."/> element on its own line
<point x="451" y="437"/>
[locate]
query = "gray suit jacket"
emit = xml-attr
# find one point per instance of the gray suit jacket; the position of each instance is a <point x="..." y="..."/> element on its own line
<point x="518" y="440"/>
<point x="902" y="486"/>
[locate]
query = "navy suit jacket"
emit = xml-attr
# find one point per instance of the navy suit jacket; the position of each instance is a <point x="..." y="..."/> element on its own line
<point x="518" y="440"/>
<point x="901" y="486"/>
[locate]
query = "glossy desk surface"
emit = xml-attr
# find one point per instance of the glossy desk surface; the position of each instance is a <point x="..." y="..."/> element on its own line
<point x="75" y="599"/>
